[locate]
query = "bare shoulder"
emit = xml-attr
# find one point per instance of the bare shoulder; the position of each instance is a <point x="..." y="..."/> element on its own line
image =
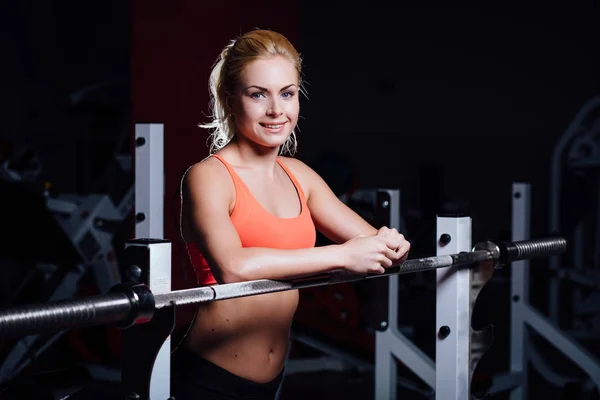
<point x="295" y="165"/>
<point x="207" y="176"/>
<point x="207" y="168"/>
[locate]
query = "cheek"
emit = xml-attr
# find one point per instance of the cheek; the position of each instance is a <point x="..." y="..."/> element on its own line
<point x="251" y="111"/>
<point x="292" y="109"/>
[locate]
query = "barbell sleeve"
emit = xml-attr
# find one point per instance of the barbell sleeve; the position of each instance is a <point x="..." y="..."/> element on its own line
<point x="528" y="249"/>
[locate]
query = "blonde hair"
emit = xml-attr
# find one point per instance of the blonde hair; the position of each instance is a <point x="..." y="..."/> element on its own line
<point x="225" y="76"/>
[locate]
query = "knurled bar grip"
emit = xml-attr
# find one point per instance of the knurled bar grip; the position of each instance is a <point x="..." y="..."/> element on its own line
<point x="58" y="315"/>
<point x="134" y="303"/>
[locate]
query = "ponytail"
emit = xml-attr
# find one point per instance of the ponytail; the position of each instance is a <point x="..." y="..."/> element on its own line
<point x="221" y="127"/>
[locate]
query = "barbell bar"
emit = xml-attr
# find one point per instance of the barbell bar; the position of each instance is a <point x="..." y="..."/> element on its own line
<point x="125" y="305"/>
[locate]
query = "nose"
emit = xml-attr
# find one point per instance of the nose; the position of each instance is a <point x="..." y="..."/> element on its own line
<point x="274" y="109"/>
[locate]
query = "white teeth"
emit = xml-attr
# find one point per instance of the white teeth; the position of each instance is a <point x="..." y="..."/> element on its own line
<point x="274" y="126"/>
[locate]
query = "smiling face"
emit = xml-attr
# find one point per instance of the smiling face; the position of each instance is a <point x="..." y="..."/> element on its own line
<point x="266" y="105"/>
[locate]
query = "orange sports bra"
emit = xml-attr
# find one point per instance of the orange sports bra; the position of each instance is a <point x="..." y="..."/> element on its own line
<point x="257" y="227"/>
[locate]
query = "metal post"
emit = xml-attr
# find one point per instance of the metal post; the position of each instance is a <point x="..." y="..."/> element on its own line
<point x="149" y="209"/>
<point x="524" y="316"/>
<point x="557" y="166"/>
<point x="521" y="211"/>
<point x="149" y="181"/>
<point x="453" y="315"/>
<point x="385" y="364"/>
<point x="390" y="343"/>
<point x="146" y="348"/>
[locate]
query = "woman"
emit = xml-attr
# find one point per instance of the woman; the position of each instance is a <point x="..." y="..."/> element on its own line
<point x="249" y="213"/>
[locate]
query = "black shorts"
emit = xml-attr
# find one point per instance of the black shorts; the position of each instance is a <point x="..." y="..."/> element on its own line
<point x="193" y="377"/>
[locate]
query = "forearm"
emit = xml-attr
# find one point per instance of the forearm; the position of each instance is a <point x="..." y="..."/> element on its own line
<point x="349" y="229"/>
<point x="253" y="263"/>
<point x="340" y="224"/>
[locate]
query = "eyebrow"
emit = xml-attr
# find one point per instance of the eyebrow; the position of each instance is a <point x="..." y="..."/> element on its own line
<point x="266" y="90"/>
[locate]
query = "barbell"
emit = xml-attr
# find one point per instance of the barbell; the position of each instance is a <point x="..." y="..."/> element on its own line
<point x="126" y="305"/>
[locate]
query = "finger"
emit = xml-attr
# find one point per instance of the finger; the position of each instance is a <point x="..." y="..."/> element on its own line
<point x="387" y="262"/>
<point x="403" y="251"/>
<point x="383" y="231"/>
<point x="405" y="247"/>
<point x="383" y="260"/>
<point x="391" y="254"/>
<point x="378" y="269"/>
<point x="390" y="242"/>
<point x="398" y="237"/>
<point x="392" y="232"/>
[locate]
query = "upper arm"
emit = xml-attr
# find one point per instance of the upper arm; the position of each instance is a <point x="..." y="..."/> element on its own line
<point x="331" y="216"/>
<point x="207" y="194"/>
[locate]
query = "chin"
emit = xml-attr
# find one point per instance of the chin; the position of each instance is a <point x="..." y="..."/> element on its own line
<point x="274" y="141"/>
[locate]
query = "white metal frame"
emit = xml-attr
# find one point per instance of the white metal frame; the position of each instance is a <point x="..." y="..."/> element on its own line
<point x="521" y="208"/>
<point x="452" y="353"/>
<point x="391" y="344"/>
<point x="523" y="313"/>
<point x="583" y="129"/>
<point x="453" y="316"/>
<point x="149" y="180"/>
<point x="149" y="202"/>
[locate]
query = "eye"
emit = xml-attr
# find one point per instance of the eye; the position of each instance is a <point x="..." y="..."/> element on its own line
<point x="288" y="94"/>
<point x="257" y="95"/>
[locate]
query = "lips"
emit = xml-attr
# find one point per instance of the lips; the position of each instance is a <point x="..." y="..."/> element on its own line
<point x="275" y="125"/>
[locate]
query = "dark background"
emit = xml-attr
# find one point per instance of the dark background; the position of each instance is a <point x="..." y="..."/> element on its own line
<point x="449" y="102"/>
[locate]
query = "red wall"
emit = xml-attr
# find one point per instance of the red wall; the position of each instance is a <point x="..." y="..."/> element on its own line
<point x="174" y="45"/>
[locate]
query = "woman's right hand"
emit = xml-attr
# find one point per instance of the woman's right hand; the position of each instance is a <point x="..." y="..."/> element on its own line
<point x="368" y="254"/>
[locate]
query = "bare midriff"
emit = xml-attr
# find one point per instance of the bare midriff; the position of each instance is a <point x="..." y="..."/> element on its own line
<point x="247" y="336"/>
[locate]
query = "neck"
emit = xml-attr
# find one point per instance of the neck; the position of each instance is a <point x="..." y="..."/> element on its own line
<point x="252" y="155"/>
